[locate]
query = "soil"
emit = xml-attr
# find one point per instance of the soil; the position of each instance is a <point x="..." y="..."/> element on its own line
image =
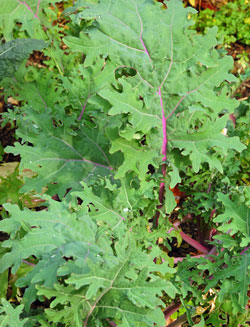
<point x="7" y="133"/>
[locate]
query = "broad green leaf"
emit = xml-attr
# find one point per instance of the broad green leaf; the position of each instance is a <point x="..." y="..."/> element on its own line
<point x="14" y="52"/>
<point x="125" y="103"/>
<point x="37" y="88"/>
<point x="112" y="291"/>
<point x="102" y="211"/>
<point x="43" y="273"/>
<point x="136" y="158"/>
<point x="127" y="295"/>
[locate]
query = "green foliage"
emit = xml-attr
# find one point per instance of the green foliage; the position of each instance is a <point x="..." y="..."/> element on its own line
<point x="102" y="133"/>
<point x="111" y="280"/>
<point x="233" y="21"/>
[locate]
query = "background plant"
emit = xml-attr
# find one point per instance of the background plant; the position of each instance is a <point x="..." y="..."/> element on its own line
<point x="232" y="20"/>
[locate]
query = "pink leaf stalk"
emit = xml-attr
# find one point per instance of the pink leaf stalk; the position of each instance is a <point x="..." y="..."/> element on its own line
<point x="96" y="164"/>
<point x="164" y="152"/>
<point x="194" y="243"/>
<point x="37" y="9"/>
<point x="84" y="107"/>
<point x="141" y="32"/>
<point x="164" y="130"/>
<point x="244" y="250"/>
<point x="232" y="117"/>
<point x="28" y="263"/>
<point x="172" y="308"/>
<point x="211" y="252"/>
<point x="29" y="9"/>
<point x="164" y="144"/>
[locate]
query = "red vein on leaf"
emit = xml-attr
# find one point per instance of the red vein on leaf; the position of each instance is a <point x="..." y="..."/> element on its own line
<point x="84" y="107"/>
<point x="96" y="164"/>
<point x="28" y="7"/>
<point x="141" y="32"/>
<point x="164" y="152"/>
<point x="92" y="308"/>
<point x="28" y="263"/>
<point x="37" y="8"/>
<point x="164" y="129"/>
<point x="187" y="94"/>
<point x="244" y="250"/>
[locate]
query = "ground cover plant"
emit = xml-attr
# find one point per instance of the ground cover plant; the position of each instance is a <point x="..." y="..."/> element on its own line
<point x="127" y="113"/>
<point x="232" y="20"/>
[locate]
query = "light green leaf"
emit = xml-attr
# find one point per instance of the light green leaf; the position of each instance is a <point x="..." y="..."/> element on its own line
<point x="127" y="102"/>
<point x="170" y="203"/>
<point x="10" y="317"/>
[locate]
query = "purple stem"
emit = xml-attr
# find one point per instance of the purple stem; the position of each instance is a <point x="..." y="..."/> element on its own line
<point x="84" y="107"/>
<point x="211" y="252"/>
<point x="144" y="47"/>
<point x="188" y="239"/>
<point x="164" y="152"/>
<point x="172" y="308"/>
<point x="111" y="323"/>
<point x="244" y="250"/>
<point x="232" y="117"/>
<point x="193" y="243"/>
<point x="164" y="129"/>
<point x="28" y="263"/>
<point x="37" y="9"/>
<point x="178" y="222"/>
<point x="96" y="164"/>
<point x="141" y="32"/>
